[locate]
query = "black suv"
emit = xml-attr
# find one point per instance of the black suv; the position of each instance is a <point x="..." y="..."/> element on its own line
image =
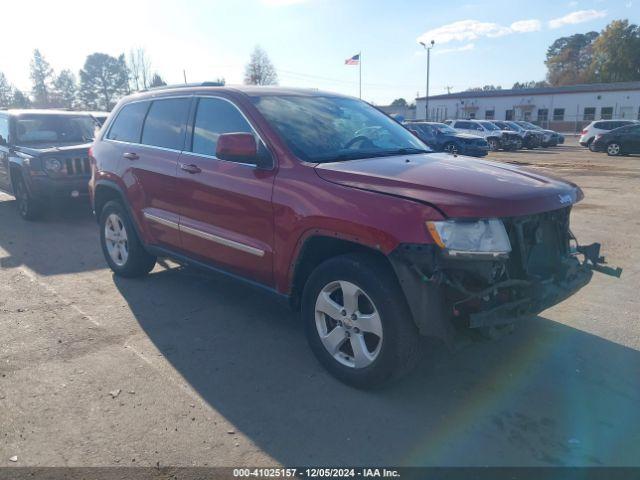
<point x="44" y="156"/>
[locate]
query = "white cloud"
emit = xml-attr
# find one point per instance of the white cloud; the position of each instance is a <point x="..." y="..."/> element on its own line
<point x="466" y="30"/>
<point x="579" y="16"/>
<point x="523" y="26"/>
<point x="463" y="48"/>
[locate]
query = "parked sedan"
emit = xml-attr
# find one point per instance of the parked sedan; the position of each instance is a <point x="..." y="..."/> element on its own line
<point x="443" y="138"/>
<point x="590" y="132"/>
<point x="530" y="138"/>
<point x="550" y="138"/>
<point x="621" y="141"/>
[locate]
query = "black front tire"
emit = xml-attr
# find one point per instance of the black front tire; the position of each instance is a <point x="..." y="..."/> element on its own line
<point x="494" y="144"/>
<point x="138" y="262"/>
<point x="400" y="348"/>
<point x="28" y="207"/>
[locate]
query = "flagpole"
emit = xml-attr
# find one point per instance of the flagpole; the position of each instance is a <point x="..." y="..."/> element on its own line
<point x="360" y="75"/>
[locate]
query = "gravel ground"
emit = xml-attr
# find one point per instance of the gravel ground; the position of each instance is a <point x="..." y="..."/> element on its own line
<point x="185" y="368"/>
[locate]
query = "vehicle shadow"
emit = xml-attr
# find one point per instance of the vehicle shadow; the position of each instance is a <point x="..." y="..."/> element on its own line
<point x="43" y="245"/>
<point x="548" y="394"/>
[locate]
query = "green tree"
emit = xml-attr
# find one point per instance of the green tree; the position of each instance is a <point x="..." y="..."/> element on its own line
<point x="20" y="100"/>
<point x="65" y="89"/>
<point x="569" y="59"/>
<point x="399" y="102"/>
<point x="157" y="81"/>
<point x="616" y="53"/>
<point x="42" y="77"/>
<point x="260" y="70"/>
<point x="6" y="92"/>
<point x="103" y="80"/>
<point x="531" y="84"/>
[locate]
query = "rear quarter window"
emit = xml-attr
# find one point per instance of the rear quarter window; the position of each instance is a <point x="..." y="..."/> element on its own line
<point x="127" y="126"/>
<point x="602" y="125"/>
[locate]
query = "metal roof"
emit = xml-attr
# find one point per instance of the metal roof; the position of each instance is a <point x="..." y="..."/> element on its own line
<point x="587" y="87"/>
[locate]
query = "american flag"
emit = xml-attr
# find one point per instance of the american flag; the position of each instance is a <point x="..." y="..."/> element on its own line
<point x="355" y="60"/>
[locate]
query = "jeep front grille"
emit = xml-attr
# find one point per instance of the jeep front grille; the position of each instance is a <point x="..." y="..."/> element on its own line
<point x="77" y="166"/>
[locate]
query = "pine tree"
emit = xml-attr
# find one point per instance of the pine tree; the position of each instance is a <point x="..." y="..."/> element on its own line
<point x="42" y="76"/>
<point x="103" y="80"/>
<point x="65" y="89"/>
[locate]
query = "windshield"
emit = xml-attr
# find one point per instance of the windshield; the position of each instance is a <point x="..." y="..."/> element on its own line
<point x="530" y="126"/>
<point x="326" y="129"/>
<point x="444" y="128"/>
<point x="54" y="129"/>
<point x="489" y="126"/>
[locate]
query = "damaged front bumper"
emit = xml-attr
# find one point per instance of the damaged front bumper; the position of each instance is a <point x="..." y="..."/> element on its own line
<point x="474" y="292"/>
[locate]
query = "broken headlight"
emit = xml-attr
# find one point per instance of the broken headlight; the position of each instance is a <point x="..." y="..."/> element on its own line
<point x="461" y="237"/>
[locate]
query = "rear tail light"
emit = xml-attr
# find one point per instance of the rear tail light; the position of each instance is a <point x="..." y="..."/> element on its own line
<point x="584" y="132"/>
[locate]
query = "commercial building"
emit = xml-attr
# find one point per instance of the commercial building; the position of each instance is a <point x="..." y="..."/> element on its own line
<point x="566" y="108"/>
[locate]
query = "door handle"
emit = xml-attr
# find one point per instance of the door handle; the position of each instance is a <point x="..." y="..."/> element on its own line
<point x="190" y="168"/>
<point x="130" y="156"/>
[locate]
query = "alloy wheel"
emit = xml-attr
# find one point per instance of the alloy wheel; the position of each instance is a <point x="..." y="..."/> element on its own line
<point x="349" y="324"/>
<point x="613" y="149"/>
<point x="115" y="235"/>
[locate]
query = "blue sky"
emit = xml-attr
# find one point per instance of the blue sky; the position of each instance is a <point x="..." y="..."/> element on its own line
<point x="477" y="42"/>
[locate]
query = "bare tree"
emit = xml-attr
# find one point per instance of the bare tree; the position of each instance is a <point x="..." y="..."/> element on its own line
<point x="139" y="65"/>
<point x="260" y="70"/>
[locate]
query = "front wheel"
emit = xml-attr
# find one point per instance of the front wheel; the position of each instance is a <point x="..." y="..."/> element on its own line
<point x="613" y="149"/>
<point x="121" y="246"/>
<point x="28" y="207"/>
<point x="357" y="321"/>
<point x="494" y="144"/>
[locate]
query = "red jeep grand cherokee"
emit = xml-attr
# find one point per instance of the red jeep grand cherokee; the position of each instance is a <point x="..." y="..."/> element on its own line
<point x="328" y="202"/>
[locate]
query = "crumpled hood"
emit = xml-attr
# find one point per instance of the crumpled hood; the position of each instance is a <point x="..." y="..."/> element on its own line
<point x="457" y="186"/>
<point x="52" y="150"/>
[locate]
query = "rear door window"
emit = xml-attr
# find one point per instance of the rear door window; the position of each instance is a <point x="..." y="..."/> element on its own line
<point x="165" y="124"/>
<point x="128" y="124"/>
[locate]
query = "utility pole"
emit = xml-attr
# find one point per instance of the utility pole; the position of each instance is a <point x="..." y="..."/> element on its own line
<point x="184" y="74"/>
<point x="426" y="98"/>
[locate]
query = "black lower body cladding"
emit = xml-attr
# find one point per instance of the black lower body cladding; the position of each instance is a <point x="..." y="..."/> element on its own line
<point x="542" y="269"/>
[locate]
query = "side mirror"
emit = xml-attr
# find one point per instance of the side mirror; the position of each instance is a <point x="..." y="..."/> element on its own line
<point x="241" y="148"/>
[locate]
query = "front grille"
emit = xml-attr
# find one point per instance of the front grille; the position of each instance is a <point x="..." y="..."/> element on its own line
<point x="538" y="243"/>
<point x="77" y="166"/>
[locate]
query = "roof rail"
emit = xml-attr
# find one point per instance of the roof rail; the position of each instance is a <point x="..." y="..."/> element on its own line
<point x="186" y="85"/>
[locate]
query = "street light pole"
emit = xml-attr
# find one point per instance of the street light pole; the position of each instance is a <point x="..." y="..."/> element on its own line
<point x="426" y="98"/>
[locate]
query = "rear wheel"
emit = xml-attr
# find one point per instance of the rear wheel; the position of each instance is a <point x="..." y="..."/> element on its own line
<point x="28" y="207"/>
<point x="121" y="246"/>
<point x="614" y="149"/>
<point x="357" y="321"/>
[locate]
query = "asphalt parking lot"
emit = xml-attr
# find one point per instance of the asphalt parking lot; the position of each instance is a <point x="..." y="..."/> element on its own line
<point x="185" y="368"/>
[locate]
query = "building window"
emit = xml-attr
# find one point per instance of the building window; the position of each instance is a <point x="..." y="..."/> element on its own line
<point x="543" y="114"/>
<point x="606" y="113"/>
<point x="558" y="114"/>
<point x="472" y="114"/>
<point x="589" y="113"/>
<point x="489" y="114"/>
<point x="508" y="115"/>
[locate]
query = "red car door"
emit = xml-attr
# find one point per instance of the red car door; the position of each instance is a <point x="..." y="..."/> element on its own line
<point x="150" y="169"/>
<point x="226" y="215"/>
